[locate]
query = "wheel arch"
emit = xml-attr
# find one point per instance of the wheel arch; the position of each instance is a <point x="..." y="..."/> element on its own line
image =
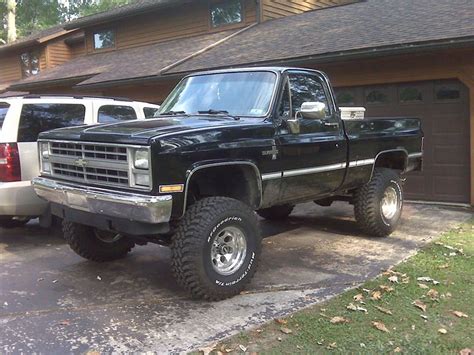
<point x="396" y="159"/>
<point x="253" y="181"/>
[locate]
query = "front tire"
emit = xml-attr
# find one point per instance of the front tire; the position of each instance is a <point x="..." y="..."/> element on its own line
<point x="216" y="248"/>
<point x="94" y="244"/>
<point x="378" y="204"/>
<point x="276" y="213"/>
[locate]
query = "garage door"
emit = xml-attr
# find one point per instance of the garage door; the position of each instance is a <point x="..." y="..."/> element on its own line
<point x="443" y="107"/>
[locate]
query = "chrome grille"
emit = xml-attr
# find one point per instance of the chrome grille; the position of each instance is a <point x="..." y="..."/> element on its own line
<point x="100" y="164"/>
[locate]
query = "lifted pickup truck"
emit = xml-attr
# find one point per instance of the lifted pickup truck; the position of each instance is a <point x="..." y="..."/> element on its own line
<point x="225" y="144"/>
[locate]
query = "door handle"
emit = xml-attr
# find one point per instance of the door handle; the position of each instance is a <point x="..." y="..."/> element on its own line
<point x="331" y="124"/>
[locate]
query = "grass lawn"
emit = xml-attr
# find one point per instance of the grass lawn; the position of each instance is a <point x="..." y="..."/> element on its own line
<point x="424" y="305"/>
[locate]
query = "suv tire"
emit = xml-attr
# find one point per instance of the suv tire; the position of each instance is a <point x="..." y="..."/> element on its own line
<point x="11" y="222"/>
<point x="378" y="204"/>
<point x="91" y="243"/>
<point x="216" y="248"/>
<point x="276" y="212"/>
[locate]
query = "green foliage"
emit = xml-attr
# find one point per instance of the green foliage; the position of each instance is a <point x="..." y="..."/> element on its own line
<point x="3" y="21"/>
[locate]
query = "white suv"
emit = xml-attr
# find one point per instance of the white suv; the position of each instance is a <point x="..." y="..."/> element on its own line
<point x="22" y="118"/>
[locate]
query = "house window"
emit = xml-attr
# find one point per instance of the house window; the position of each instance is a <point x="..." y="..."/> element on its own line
<point x="104" y="39"/>
<point x="410" y="94"/>
<point x="447" y="92"/>
<point x="29" y="63"/>
<point x="226" y="13"/>
<point x="376" y="96"/>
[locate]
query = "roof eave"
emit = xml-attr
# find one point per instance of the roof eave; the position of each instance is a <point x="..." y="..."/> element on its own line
<point x="55" y="82"/>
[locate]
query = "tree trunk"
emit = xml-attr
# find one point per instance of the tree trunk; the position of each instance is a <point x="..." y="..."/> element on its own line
<point x="11" y="25"/>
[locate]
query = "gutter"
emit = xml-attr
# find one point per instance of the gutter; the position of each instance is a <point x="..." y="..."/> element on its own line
<point x="54" y="82"/>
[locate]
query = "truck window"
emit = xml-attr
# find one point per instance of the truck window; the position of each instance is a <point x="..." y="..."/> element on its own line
<point x="307" y="88"/>
<point x="115" y="113"/>
<point x="3" y="112"/>
<point x="37" y="118"/>
<point x="150" y="112"/>
<point x="284" y="109"/>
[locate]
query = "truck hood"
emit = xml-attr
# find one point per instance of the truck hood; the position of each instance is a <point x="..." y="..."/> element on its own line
<point x="143" y="131"/>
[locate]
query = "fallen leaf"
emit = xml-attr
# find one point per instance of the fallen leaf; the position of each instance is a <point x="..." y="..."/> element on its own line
<point x="281" y="321"/>
<point x="444" y="266"/>
<point x="64" y="322"/>
<point x="359" y="297"/>
<point x="331" y="346"/>
<point x="339" y="320"/>
<point x="433" y="294"/>
<point x="442" y="331"/>
<point x="54" y="281"/>
<point x="405" y="280"/>
<point x="435" y="282"/>
<point x="465" y="351"/>
<point x="460" y="314"/>
<point x="393" y="279"/>
<point x="286" y="330"/>
<point x="376" y="295"/>
<point x="207" y="350"/>
<point x="353" y="307"/>
<point x="397" y="350"/>
<point x="365" y="290"/>
<point x="362" y="345"/>
<point x="299" y="347"/>
<point x="380" y="326"/>
<point x="424" y="279"/>
<point x="40" y="279"/>
<point x="420" y="305"/>
<point x="423" y="316"/>
<point x="386" y="288"/>
<point x="99" y="278"/>
<point x="259" y="330"/>
<point x="384" y="310"/>
<point x="279" y="339"/>
<point x="413" y="327"/>
<point x="423" y="286"/>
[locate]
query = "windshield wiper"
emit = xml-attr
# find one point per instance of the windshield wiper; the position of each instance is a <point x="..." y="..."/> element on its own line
<point x="218" y="112"/>
<point x="173" y="113"/>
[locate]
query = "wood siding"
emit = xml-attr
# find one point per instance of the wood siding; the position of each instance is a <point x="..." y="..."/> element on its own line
<point x="57" y="53"/>
<point x="165" y="25"/>
<point x="10" y="69"/>
<point x="272" y="9"/>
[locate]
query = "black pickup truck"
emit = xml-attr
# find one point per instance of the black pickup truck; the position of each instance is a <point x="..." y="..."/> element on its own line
<point x="225" y="144"/>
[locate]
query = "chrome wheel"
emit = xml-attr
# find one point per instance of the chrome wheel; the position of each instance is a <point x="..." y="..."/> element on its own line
<point x="228" y="250"/>
<point x="107" y="236"/>
<point x="390" y="203"/>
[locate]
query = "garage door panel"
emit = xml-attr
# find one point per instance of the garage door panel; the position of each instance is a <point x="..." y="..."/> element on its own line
<point x="443" y="108"/>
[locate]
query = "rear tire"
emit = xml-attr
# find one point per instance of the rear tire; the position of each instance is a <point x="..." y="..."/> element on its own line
<point x="378" y="204"/>
<point x="13" y="222"/>
<point x="275" y="213"/>
<point x="216" y="248"/>
<point x="92" y="244"/>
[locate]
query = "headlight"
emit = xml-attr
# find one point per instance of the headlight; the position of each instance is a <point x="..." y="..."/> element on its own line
<point x="45" y="167"/>
<point x="44" y="149"/>
<point x="141" y="159"/>
<point x="142" y="179"/>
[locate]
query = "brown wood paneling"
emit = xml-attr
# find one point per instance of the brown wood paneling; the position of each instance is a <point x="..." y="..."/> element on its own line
<point x="58" y="52"/>
<point x="10" y="69"/>
<point x="165" y="25"/>
<point x="272" y="9"/>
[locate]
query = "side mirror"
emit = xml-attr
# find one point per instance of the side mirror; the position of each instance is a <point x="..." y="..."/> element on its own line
<point x="313" y="110"/>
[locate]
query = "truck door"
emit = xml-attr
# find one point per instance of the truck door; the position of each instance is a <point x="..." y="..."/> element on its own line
<point x="313" y="157"/>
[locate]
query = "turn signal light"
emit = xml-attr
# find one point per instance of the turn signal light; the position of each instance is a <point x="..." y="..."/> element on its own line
<point x="10" y="169"/>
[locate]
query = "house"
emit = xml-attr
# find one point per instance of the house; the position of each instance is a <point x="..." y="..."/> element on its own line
<point x="411" y="58"/>
<point x="39" y="51"/>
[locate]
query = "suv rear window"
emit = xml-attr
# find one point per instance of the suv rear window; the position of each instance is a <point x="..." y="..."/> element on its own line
<point x="115" y="113"/>
<point x="3" y="112"/>
<point x="150" y="112"/>
<point x="37" y="118"/>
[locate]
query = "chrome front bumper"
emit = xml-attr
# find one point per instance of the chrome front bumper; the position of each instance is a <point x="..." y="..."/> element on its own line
<point x="134" y="207"/>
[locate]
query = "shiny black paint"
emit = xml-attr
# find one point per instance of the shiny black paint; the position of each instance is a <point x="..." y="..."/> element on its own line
<point x="180" y="144"/>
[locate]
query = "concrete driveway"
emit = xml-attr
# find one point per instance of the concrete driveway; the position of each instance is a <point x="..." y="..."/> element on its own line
<point x="52" y="301"/>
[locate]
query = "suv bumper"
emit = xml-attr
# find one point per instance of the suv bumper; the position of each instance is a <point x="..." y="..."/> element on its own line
<point x="114" y="204"/>
<point x="19" y="199"/>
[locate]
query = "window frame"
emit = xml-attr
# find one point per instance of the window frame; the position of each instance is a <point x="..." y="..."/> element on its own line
<point x="413" y="102"/>
<point x="385" y="89"/>
<point x="30" y="53"/>
<point x="4" y="104"/>
<point x="226" y="26"/>
<point x="324" y="83"/>
<point x="97" y="31"/>
<point x="438" y="84"/>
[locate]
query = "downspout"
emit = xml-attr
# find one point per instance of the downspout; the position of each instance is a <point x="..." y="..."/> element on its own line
<point x="258" y="3"/>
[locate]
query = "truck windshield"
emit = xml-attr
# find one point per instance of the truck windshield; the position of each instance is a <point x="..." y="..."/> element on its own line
<point x="238" y="94"/>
